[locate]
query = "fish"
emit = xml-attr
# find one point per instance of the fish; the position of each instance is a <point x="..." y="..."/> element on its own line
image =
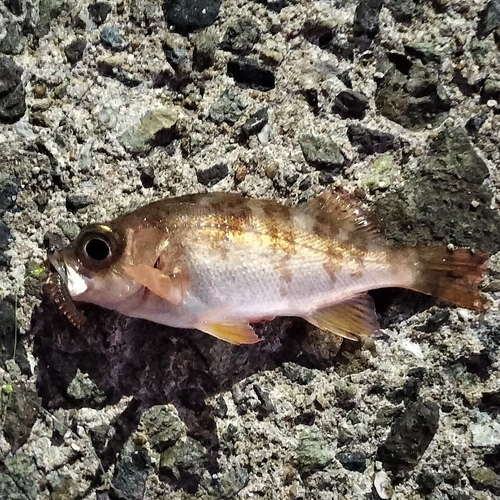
<point x="218" y="262"/>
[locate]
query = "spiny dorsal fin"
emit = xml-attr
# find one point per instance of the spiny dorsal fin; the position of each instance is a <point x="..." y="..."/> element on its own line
<point x="338" y="215"/>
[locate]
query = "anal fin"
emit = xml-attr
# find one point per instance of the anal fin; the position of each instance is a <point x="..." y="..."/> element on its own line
<point x="172" y="289"/>
<point x="351" y="319"/>
<point x="234" y="333"/>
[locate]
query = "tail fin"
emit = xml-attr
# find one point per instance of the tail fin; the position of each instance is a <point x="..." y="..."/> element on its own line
<point x="451" y="275"/>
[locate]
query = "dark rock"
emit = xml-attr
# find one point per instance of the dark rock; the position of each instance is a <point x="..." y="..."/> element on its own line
<point x="249" y="73"/>
<point x="241" y="36"/>
<point x="352" y="461"/>
<point x="228" y="107"/>
<point x="306" y="418"/>
<point x="205" y="46"/>
<point x="191" y="15"/>
<point x="20" y="415"/>
<point x="112" y="39"/>
<point x="449" y="178"/>
<point x="12" y="93"/>
<point x="317" y="33"/>
<point x="297" y="373"/>
<point x="230" y="481"/>
<point x="435" y="321"/>
<point x="176" y="56"/>
<point x="366" y="22"/>
<point x="490" y="402"/>
<point x="99" y="11"/>
<point x="8" y="331"/>
<point x="489" y="19"/>
<point x="212" y="175"/>
<point x="475" y="123"/>
<point x="148" y="177"/>
<point x="118" y="73"/>
<point x="8" y="192"/>
<point x="414" y="100"/>
<point x="5" y="238"/>
<point x="15" y="6"/>
<point x="369" y="141"/>
<point x="492" y="459"/>
<point x="321" y="152"/>
<point x="163" y="427"/>
<point x="351" y="104"/>
<point x="221" y="409"/>
<point x="14" y="41"/>
<point x="52" y="241"/>
<point x="413" y="384"/>
<point x="48" y="10"/>
<point x="255" y="123"/>
<point x="410" y="435"/>
<point x="74" y="50"/>
<point x="477" y="363"/>
<point x="490" y="90"/>
<point x="274" y="5"/>
<point x="267" y="404"/>
<point x="186" y="460"/>
<point x="75" y="202"/>
<point x="427" y="482"/>
<point x="129" y="482"/>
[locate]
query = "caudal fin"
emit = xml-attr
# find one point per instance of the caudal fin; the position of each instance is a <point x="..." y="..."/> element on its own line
<point x="451" y="275"/>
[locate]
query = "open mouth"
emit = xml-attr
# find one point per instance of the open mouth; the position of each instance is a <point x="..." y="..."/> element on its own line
<point x="57" y="289"/>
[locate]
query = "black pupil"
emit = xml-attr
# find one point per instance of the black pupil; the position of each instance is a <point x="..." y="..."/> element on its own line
<point x="97" y="249"/>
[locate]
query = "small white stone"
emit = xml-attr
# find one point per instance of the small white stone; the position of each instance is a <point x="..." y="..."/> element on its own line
<point x="383" y="485"/>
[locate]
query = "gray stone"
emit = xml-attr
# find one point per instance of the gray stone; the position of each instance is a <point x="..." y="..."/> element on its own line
<point x="228" y="107"/>
<point x="139" y="138"/>
<point x="186" y="456"/>
<point x="163" y="426"/>
<point x="22" y="469"/>
<point x="313" y="451"/>
<point x="112" y="39"/>
<point x="321" y="152"/>
<point x="241" y="36"/>
<point x="14" y="41"/>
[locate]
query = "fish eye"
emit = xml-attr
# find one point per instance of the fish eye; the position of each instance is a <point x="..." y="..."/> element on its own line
<point x="97" y="249"/>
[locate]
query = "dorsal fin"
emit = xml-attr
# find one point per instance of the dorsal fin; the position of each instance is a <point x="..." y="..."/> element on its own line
<point x="338" y="215"/>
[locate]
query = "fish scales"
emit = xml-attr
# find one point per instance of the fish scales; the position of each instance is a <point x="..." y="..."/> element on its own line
<point x="219" y="261"/>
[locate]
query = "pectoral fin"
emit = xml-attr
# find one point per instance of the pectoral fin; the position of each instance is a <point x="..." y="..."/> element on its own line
<point x="351" y="319"/>
<point x="234" y="333"/>
<point x="166" y="287"/>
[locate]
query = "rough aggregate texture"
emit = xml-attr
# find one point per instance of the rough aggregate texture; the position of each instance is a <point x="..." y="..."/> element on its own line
<point x="105" y="106"/>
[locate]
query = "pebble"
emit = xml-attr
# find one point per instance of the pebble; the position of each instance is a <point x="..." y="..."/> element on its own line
<point x="321" y="152"/>
<point x="212" y="175"/>
<point x="191" y="15"/>
<point x="351" y="104"/>
<point x="12" y="93"/>
<point x="99" y="11"/>
<point x="112" y="39"/>
<point x="249" y="73"/>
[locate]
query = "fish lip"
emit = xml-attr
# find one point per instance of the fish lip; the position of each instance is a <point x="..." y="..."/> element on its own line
<point x="58" y="265"/>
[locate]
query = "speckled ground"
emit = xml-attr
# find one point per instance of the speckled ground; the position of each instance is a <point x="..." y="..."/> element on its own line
<point x="106" y="106"/>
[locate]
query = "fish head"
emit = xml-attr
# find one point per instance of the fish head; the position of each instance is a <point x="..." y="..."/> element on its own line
<point x="89" y="270"/>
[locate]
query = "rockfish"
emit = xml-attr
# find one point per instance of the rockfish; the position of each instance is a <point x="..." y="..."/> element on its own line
<point x="218" y="262"/>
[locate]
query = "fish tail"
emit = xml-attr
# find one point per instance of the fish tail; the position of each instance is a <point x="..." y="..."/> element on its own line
<point x="451" y="275"/>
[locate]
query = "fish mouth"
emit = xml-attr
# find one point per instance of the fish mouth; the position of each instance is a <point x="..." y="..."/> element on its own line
<point x="57" y="287"/>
